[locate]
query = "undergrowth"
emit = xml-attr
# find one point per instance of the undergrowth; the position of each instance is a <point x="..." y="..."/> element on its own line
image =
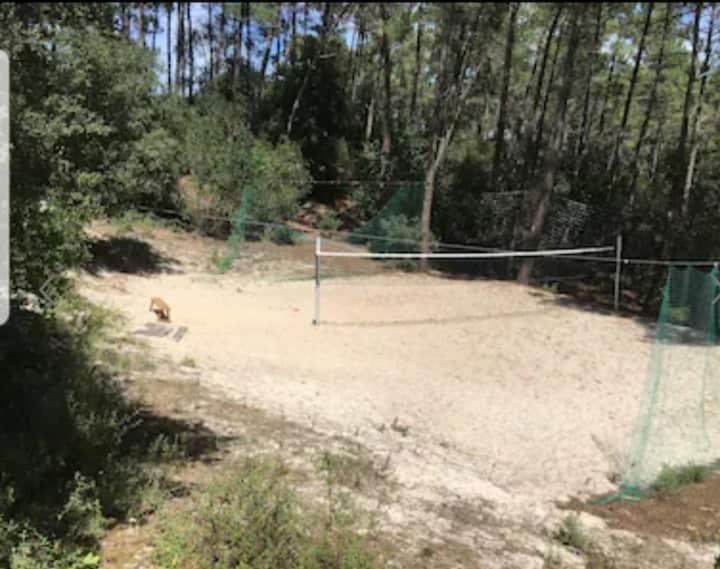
<point x="252" y="518"/>
<point x="77" y="452"/>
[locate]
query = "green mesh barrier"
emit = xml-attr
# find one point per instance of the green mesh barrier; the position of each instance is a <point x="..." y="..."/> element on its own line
<point x="679" y="420"/>
<point x="404" y="204"/>
<point x="237" y="235"/>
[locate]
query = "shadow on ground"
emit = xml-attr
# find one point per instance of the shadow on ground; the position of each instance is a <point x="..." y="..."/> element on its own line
<point x="128" y="255"/>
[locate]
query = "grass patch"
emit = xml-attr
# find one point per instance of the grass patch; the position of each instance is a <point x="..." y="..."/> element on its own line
<point x="253" y="519"/>
<point x="673" y="477"/>
<point x="572" y="535"/>
<point x="350" y="471"/>
<point x="77" y="451"/>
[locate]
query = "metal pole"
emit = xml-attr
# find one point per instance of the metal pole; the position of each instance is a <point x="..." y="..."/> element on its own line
<point x="618" y="266"/>
<point x="316" y="319"/>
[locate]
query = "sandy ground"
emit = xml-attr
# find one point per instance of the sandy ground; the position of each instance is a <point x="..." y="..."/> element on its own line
<point x="500" y="395"/>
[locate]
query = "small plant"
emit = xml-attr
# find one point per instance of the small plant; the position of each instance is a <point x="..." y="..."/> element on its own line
<point x="282" y="235"/>
<point x="679" y="314"/>
<point x="674" y="477"/>
<point x="330" y="222"/>
<point x="188" y="362"/>
<point x="252" y="519"/>
<point x="571" y="534"/>
<point x="398" y="428"/>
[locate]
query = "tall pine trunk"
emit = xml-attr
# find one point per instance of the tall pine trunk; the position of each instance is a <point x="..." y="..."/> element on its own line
<point x="650" y="106"/>
<point x="681" y="162"/>
<point x="168" y="44"/>
<point x="622" y="132"/>
<point x="502" y="113"/>
<point x="141" y="25"/>
<point x="697" y="114"/>
<point x="191" y="53"/>
<point x="180" y="50"/>
<point x="540" y="206"/>
<point x="418" y="63"/>
<point x="586" y="122"/>
<point x="211" y="41"/>
<point x="387" y="85"/>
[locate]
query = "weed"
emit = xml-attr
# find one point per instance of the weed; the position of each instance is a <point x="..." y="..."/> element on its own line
<point x="398" y="428"/>
<point x="329" y="223"/>
<point x="674" y="477"/>
<point x="252" y="519"/>
<point x="188" y="362"/>
<point x="571" y="534"/>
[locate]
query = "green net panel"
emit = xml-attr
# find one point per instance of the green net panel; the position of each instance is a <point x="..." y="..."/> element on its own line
<point x="679" y="421"/>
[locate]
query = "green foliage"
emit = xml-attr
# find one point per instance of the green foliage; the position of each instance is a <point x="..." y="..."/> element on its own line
<point x="65" y="418"/>
<point x="252" y="519"/>
<point x="674" y="477"/>
<point x="397" y="234"/>
<point x="330" y="222"/>
<point x="571" y="534"/>
<point x="283" y="235"/>
<point x="229" y="162"/>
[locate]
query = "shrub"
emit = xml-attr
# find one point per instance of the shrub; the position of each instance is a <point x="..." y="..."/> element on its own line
<point x="398" y="234"/>
<point x="330" y="222"/>
<point x="252" y="519"/>
<point x="674" y="477"/>
<point x="571" y="534"/>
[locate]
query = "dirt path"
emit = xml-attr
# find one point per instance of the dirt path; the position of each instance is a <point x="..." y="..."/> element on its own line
<point x="486" y="401"/>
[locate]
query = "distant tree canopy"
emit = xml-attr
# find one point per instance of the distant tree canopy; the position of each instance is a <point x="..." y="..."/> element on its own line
<point x="613" y="106"/>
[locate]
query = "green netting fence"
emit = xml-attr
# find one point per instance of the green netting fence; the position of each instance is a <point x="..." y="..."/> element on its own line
<point x="679" y="419"/>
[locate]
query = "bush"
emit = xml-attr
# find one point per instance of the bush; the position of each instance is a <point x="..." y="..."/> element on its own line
<point x="398" y="234"/>
<point x="283" y="235"/>
<point x="571" y="534"/>
<point x="231" y="166"/>
<point x="674" y="477"/>
<point x="252" y="519"/>
<point x="330" y="222"/>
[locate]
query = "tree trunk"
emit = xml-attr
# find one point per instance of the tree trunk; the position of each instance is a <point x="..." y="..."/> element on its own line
<point x="263" y="65"/>
<point x="539" y="213"/>
<point x="387" y="85"/>
<point x="211" y="41"/>
<point x="620" y="138"/>
<point x="293" y="34"/>
<point x="141" y="25"/>
<point x="694" y="138"/>
<point x="650" y="106"/>
<point x="221" y="52"/>
<point x="168" y="44"/>
<point x="536" y="140"/>
<point x="606" y="93"/>
<point x="327" y="26"/>
<point x="502" y="113"/>
<point x="237" y="52"/>
<point x="543" y="62"/>
<point x="450" y="100"/>
<point x="371" y="114"/>
<point x="126" y="19"/>
<point x="358" y="60"/>
<point x="191" y="53"/>
<point x="418" y="62"/>
<point x="682" y="154"/>
<point x="248" y="37"/>
<point x="156" y="25"/>
<point x="180" y="50"/>
<point x="586" y="123"/>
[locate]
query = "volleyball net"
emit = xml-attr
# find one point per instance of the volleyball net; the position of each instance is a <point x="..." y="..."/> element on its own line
<point x="334" y="259"/>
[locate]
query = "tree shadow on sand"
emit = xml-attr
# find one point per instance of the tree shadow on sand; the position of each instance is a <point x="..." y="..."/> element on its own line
<point x="128" y="255"/>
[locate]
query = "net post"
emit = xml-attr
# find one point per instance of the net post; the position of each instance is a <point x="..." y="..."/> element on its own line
<point x="618" y="267"/>
<point x="316" y="318"/>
